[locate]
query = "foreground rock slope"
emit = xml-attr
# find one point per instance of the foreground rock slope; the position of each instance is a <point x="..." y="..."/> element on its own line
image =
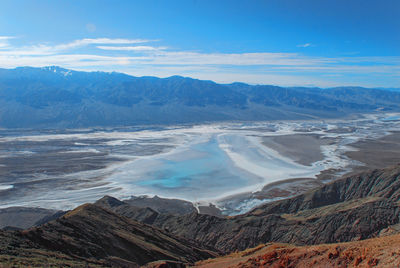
<point x="118" y="234"/>
<point x="90" y="233"/>
<point x="353" y="208"/>
<point x="376" y="252"/>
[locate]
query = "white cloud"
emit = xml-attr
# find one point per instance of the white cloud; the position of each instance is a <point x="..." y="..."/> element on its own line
<point x="256" y="67"/>
<point x="131" y="48"/>
<point x="69" y="61"/>
<point x="4" y="41"/>
<point x="305" y="45"/>
<point x="46" y="49"/>
<point x="264" y="58"/>
<point x="95" y="41"/>
<point x="228" y="76"/>
<point x="6" y="37"/>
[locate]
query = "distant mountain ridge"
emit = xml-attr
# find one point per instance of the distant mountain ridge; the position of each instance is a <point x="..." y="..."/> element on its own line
<point x="57" y="97"/>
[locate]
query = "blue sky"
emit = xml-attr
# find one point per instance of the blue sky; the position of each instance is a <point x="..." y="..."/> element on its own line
<point x="299" y="42"/>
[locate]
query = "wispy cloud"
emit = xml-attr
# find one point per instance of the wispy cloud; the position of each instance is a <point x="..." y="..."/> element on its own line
<point x="4" y="41"/>
<point x="95" y="41"/>
<point x="237" y="59"/>
<point x="305" y="45"/>
<point x="6" y="37"/>
<point x="138" y="57"/>
<point x="131" y="48"/>
<point x="47" y="49"/>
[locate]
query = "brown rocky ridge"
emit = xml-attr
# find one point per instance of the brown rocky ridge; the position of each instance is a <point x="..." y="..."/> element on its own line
<point x="375" y="252"/>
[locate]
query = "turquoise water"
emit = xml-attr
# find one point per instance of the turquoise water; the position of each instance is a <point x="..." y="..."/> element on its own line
<point x="392" y="118"/>
<point x="202" y="170"/>
<point x="205" y="158"/>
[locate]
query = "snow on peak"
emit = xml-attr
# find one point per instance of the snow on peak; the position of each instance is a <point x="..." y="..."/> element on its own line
<point x="56" y="69"/>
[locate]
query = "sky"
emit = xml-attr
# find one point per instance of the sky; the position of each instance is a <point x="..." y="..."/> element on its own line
<point x="321" y="43"/>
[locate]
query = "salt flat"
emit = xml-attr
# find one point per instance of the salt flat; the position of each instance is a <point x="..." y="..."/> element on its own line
<point x="228" y="164"/>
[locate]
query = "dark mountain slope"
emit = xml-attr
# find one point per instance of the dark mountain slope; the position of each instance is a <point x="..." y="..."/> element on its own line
<point x="17" y="251"/>
<point x="352" y="208"/>
<point x="56" y="97"/>
<point x="161" y="205"/>
<point x="24" y="217"/>
<point x="91" y="232"/>
<point x="378" y="183"/>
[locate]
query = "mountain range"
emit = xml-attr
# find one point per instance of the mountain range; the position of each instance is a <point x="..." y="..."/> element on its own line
<point x="53" y="97"/>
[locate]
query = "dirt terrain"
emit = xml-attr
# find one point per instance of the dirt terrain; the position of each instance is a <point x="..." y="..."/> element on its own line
<point x="380" y="252"/>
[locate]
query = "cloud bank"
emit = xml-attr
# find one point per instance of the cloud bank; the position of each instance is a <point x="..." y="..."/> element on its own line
<point x="141" y="57"/>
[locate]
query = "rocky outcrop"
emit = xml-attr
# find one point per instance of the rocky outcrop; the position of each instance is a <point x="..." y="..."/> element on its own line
<point x="142" y="214"/>
<point x="162" y="205"/>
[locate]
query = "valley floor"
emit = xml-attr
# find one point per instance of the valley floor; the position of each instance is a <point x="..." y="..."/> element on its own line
<point x="235" y="166"/>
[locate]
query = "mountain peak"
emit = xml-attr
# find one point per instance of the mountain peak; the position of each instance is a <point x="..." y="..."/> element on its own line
<point x="57" y="70"/>
<point x="54" y="68"/>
